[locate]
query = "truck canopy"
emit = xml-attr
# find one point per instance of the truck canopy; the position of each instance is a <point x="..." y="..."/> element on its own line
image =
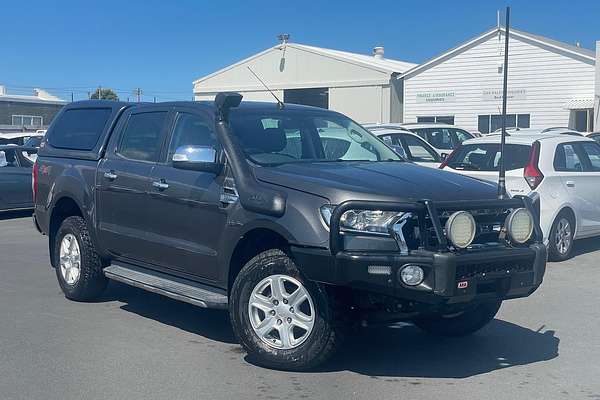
<point x="81" y="130"/>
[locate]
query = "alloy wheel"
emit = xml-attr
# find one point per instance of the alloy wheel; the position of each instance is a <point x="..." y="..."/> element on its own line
<point x="70" y="259"/>
<point x="281" y="311"/>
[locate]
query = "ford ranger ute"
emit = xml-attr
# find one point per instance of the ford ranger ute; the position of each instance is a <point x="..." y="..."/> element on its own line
<point x="295" y="219"/>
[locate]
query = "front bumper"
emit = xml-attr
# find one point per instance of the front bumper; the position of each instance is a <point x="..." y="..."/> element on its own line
<point x="451" y="276"/>
<point x="483" y="274"/>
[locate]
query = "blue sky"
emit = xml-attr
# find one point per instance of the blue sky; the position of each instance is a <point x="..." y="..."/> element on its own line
<point x="162" y="46"/>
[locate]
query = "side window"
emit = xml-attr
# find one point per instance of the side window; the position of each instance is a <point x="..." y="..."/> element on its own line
<point x="440" y="138"/>
<point x="79" y="129"/>
<point x="418" y="151"/>
<point x="191" y="130"/>
<point x="462" y="136"/>
<point x="141" y="139"/>
<point x="592" y="152"/>
<point x="566" y="159"/>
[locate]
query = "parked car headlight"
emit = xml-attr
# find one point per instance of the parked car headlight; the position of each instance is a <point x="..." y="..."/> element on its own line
<point x="368" y="221"/>
<point x="519" y="225"/>
<point x="460" y="229"/>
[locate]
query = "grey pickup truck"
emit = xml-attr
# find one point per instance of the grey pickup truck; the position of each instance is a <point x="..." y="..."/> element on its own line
<point x="295" y="219"/>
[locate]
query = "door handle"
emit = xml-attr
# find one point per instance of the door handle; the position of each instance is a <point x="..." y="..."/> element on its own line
<point x="160" y="185"/>
<point x="570" y="184"/>
<point x="110" y="175"/>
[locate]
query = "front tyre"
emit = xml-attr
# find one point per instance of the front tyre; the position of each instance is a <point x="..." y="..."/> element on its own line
<point x="459" y="324"/>
<point x="282" y="320"/>
<point x="78" y="266"/>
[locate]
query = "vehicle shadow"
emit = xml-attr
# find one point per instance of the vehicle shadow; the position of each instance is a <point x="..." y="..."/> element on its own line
<point x="394" y="351"/>
<point x="585" y="246"/>
<point x="403" y="350"/>
<point x="4" y="215"/>
<point x="211" y="324"/>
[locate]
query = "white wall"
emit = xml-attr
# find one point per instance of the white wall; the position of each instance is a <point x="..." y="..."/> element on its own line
<point x="294" y="68"/>
<point x="365" y="104"/>
<point x="548" y="78"/>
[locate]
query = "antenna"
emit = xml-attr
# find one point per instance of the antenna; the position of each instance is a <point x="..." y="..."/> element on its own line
<point x="280" y="104"/>
<point x="502" y="171"/>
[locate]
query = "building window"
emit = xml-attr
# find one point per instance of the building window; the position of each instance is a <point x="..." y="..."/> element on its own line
<point x="583" y="120"/>
<point x="493" y="123"/>
<point x="449" y="120"/>
<point x="28" y="120"/>
<point x="316" y="97"/>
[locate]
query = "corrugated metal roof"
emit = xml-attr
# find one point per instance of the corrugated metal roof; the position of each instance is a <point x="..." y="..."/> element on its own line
<point x="380" y="64"/>
<point x="579" y="104"/>
<point x="389" y="65"/>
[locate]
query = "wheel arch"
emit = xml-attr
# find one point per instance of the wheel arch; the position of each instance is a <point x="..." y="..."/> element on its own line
<point x="65" y="206"/>
<point x="253" y="242"/>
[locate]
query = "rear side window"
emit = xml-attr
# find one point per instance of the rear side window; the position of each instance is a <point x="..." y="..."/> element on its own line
<point x="486" y="157"/>
<point x="566" y="159"/>
<point x="79" y="129"/>
<point x="141" y="139"/>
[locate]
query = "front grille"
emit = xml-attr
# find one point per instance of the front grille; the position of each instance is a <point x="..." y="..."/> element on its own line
<point x="480" y="270"/>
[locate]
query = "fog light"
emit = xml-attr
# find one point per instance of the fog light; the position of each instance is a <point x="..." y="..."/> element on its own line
<point x="412" y="275"/>
<point x="519" y="225"/>
<point x="460" y="229"/>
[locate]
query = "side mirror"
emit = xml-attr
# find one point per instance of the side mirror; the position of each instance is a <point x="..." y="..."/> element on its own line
<point x="197" y="158"/>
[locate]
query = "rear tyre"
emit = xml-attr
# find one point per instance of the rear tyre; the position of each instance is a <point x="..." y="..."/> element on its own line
<point x="78" y="266"/>
<point x="281" y="319"/>
<point x="460" y="324"/>
<point x="560" y="246"/>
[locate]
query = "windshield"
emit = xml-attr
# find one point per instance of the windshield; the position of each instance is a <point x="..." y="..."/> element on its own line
<point x="276" y="137"/>
<point x="486" y="157"/>
<point x="443" y="138"/>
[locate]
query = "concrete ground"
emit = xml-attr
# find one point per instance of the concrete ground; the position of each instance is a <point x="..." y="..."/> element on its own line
<point x="136" y="345"/>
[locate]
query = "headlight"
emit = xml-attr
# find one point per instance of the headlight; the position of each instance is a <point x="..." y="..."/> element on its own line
<point x="519" y="225"/>
<point x="460" y="229"/>
<point x="362" y="220"/>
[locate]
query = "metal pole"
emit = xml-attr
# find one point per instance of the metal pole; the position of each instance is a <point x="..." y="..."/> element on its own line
<point x="502" y="174"/>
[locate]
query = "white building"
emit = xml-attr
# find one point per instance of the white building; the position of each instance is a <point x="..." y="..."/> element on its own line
<point x="363" y="87"/>
<point x="550" y="83"/>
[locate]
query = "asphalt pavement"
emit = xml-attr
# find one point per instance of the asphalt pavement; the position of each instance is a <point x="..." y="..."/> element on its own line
<point x="131" y="344"/>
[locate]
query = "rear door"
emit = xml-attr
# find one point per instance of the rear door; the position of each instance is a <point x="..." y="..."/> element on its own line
<point x="124" y="182"/>
<point x="15" y="180"/>
<point x="186" y="218"/>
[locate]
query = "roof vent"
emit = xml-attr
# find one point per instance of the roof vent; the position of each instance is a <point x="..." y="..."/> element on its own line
<point x="378" y="52"/>
<point x="578" y="44"/>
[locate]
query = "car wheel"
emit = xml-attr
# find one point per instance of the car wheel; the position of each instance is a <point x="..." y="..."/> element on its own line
<point x="78" y="266"/>
<point x="282" y="320"/>
<point x="560" y="247"/>
<point x="462" y="323"/>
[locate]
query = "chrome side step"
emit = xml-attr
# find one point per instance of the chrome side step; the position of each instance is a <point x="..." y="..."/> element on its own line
<point x="170" y="286"/>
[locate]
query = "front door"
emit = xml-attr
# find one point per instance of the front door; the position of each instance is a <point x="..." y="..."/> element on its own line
<point x="124" y="183"/>
<point x="186" y="218"/>
<point x="589" y="182"/>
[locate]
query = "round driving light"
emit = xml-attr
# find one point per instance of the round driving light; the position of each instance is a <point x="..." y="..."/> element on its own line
<point x="460" y="229"/>
<point x="519" y="225"/>
<point x="412" y="275"/>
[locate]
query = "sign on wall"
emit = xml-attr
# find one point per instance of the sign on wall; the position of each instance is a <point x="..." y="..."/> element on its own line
<point x="435" y="97"/>
<point x="496" y="94"/>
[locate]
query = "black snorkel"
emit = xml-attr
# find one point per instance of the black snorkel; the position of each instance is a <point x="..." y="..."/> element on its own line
<point x="253" y="195"/>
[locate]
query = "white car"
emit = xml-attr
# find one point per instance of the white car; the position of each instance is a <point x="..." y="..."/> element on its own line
<point x="554" y="130"/>
<point x="563" y="169"/>
<point x="408" y="145"/>
<point x="444" y="138"/>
